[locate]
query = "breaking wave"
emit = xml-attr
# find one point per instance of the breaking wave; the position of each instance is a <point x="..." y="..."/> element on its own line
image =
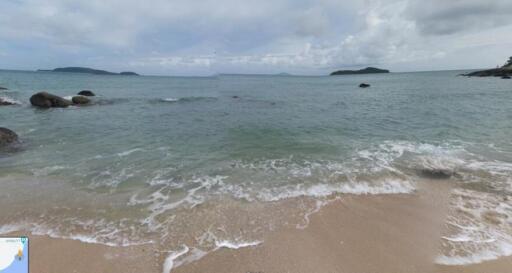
<point x="187" y="99"/>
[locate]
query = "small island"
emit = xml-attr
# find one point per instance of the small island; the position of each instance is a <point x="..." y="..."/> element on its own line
<point x="88" y="71"/>
<point x="128" y="73"/>
<point x="368" y="70"/>
<point x="505" y="71"/>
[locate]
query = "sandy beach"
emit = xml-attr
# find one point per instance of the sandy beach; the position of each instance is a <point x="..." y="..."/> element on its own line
<point x="366" y="234"/>
<point x="232" y="136"/>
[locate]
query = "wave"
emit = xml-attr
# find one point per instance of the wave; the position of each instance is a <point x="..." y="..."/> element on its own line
<point x="10" y="100"/>
<point x="110" y="101"/>
<point x="102" y="233"/>
<point x="187" y="99"/>
<point x="186" y="255"/>
<point x="479" y="223"/>
<point x="48" y="170"/>
<point x="479" y="228"/>
<point x="235" y="244"/>
<point x="129" y="152"/>
<point x="169" y="261"/>
<point x="324" y="190"/>
<point x="389" y="168"/>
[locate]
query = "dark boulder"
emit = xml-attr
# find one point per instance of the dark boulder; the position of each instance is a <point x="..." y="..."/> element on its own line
<point x="87" y="93"/>
<point x="364" y="85"/>
<point x="235" y="97"/>
<point x="506" y="77"/>
<point x="7" y="136"/>
<point x="436" y="173"/>
<point x="47" y="100"/>
<point x="80" y="100"/>
<point x="3" y="88"/>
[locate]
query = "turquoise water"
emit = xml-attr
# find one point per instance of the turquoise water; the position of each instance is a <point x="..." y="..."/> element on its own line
<point x="152" y="146"/>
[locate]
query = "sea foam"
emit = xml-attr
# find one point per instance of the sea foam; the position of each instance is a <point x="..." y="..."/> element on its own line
<point x="479" y="228"/>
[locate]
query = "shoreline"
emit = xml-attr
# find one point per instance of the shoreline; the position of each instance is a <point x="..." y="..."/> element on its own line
<point x="368" y="234"/>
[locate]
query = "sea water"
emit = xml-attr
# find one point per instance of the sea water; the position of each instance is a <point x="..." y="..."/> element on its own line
<point x="199" y="163"/>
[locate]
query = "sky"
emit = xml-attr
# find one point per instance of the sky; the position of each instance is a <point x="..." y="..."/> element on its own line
<point x="307" y="37"/>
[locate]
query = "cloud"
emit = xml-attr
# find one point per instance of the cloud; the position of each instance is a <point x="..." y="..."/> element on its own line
<point x="440" y="17"/>
<point x="266" y="36"/>
<point x="312" y="22"/>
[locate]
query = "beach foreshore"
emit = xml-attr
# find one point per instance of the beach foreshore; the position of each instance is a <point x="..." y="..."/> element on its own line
<point x="356" y="234"/>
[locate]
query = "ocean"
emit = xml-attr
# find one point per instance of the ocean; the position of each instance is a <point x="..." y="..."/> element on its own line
<point x="209" y="162"/>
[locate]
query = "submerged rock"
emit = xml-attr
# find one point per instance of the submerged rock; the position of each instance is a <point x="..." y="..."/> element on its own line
<point x="3" y="88"/>
<point x="437" y="173"/>
<point x="7" y="136"/>
<point x="80" y="100"/>
<point x="364" y="85"/>
<point x="47" y="100"/>
<point x="87" y="93"/>
<point x="506" y="77"/>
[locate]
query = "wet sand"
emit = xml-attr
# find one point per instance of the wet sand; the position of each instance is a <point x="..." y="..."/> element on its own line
<point x="354" y="234"/>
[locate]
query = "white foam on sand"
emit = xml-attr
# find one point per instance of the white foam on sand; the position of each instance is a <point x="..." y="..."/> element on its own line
<point x="235" y="244"/>
<point x="479" y="228"/>
<point x="93" y="231"/>
<point x="503" y="250"/>
<point x="169" y="261"/>
<point x="187" y="255"/>
<point x="318" y="206"/>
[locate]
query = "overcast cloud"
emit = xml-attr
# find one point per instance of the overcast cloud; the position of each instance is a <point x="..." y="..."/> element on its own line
<point x="187" y="37"/>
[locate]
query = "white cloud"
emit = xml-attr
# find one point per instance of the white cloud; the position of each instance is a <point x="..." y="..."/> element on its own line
<point x="209" y="36"/>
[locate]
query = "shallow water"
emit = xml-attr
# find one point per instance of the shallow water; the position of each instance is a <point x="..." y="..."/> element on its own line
<point x="198" y="161"/>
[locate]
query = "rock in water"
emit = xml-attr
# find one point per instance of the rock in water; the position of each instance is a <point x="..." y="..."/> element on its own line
<point x="364" y="85"/>
<point x="80" y="100"/>
<point x="506" y="77"/>
<point x="3" y="88"/>
<point x="436" y="173"/>
<point x="47" y="100"/>
<point x="7" y="136"/>
<point x="87" y="93"/>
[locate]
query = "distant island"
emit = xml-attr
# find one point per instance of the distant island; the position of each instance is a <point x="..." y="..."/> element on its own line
<point x="368" y="70"/>
<point x="505" y="71"/>
<point x="88" y="71"/>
